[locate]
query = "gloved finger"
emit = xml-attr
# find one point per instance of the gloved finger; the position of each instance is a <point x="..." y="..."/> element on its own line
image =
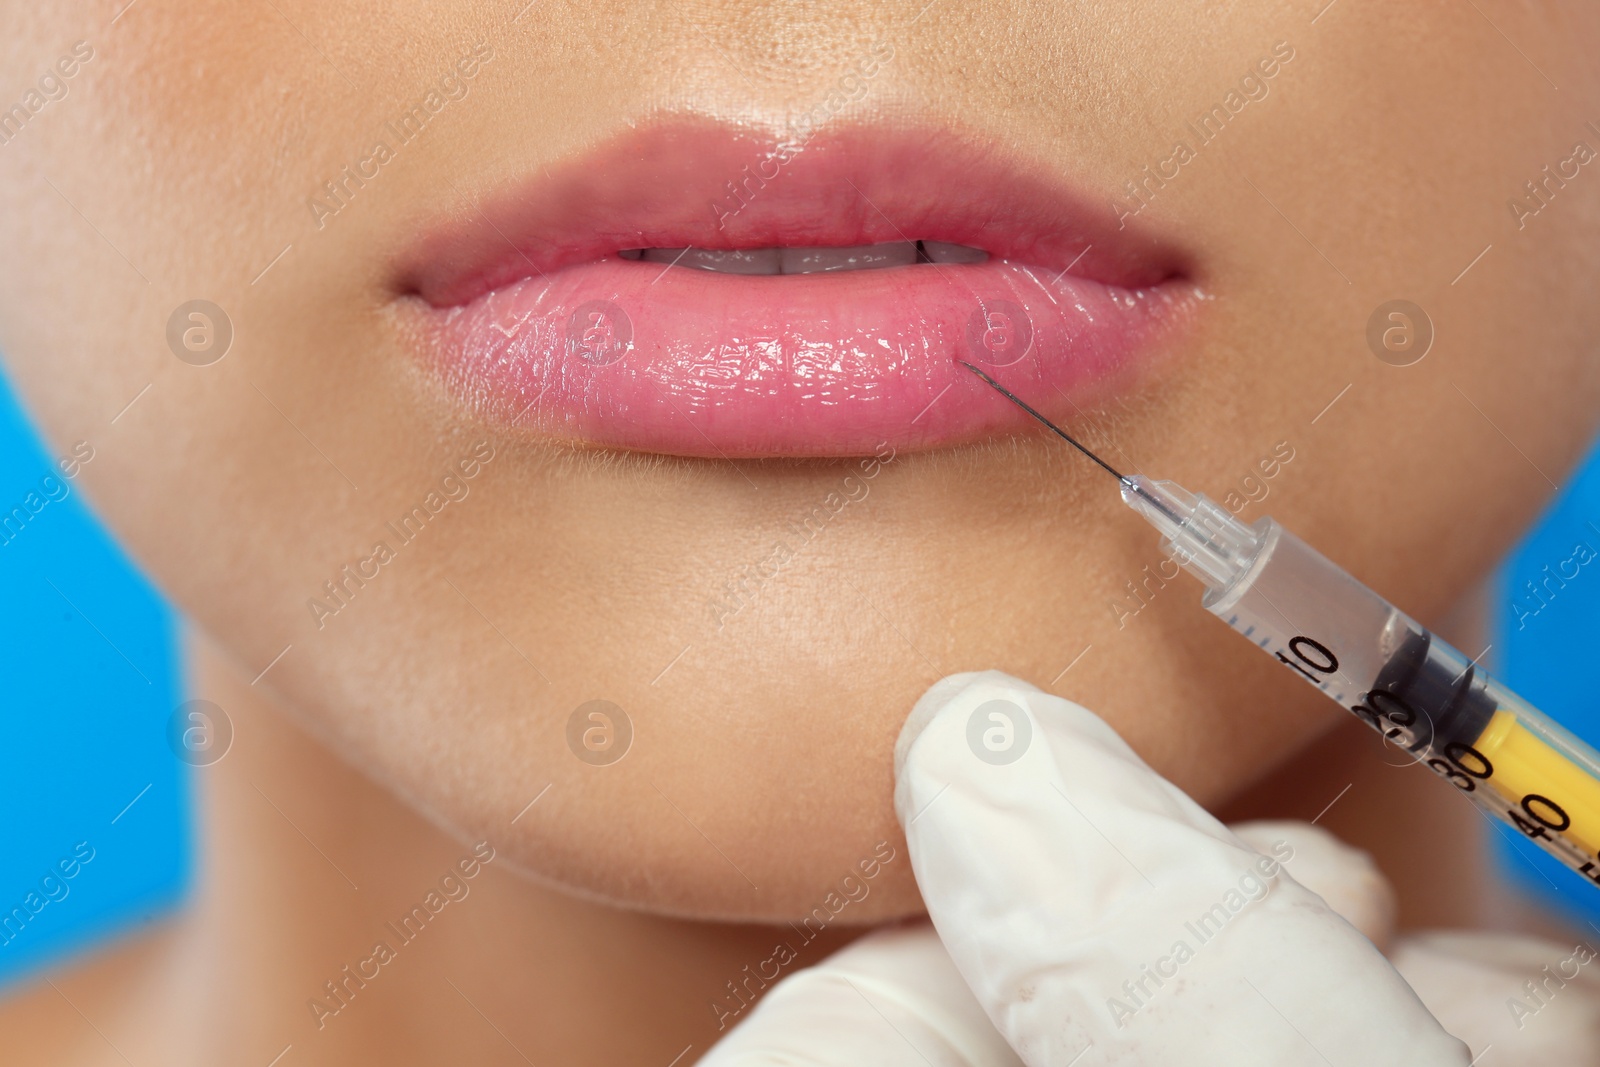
<point x="1517" y="1001"/>
<point x="1101" y="916"/>
<point x="895" y="997"/>
<point x="891" y="999"/>
<point x="1345" y="878"/>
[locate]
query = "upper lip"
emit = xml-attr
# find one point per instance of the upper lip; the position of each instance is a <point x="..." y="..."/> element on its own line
<point x="691" y="182"/>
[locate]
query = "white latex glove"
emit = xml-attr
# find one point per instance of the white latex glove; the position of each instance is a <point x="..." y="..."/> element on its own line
<point x="1088" y="912"/>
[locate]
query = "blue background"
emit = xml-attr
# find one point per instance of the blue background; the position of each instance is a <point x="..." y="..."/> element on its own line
<point x="88" y="674"/>
<point x="89" y="663"/>
<point x="1549" y="658"/>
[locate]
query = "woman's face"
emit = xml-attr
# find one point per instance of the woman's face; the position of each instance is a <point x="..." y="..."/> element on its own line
<point x="471" y="460"/>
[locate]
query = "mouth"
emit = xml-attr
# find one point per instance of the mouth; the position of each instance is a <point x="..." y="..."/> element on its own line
<point x="704" y="290"/>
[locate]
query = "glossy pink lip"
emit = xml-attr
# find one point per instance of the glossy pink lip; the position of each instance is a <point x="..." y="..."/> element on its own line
<point x="532" y="318"/>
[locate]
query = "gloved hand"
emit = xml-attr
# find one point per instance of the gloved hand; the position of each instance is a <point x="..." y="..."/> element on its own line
<point x="1088" y="912"/>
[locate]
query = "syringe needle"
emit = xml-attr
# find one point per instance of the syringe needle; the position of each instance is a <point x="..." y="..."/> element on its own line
<point x="1135" y="486"/>
<point x="1058" y="431"/>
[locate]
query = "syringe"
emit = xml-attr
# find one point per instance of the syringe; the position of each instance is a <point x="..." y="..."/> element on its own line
<point x="1421" y="694"/>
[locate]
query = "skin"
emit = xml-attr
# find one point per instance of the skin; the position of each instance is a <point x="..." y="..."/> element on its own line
<point x="178" y="166"/>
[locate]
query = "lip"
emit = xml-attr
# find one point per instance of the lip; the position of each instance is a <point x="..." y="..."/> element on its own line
<point x="524" y="309"/>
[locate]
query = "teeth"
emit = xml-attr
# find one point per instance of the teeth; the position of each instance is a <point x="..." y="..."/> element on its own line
<point x="809" y="260"/>
<point x="861" y="257"/>
<point x="944" y="252"/>
<point x="739" y="261"/>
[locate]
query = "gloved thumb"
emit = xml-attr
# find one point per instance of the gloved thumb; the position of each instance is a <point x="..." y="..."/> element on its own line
<point x="1100" y="915"/>
<point x="1345" y="878"/>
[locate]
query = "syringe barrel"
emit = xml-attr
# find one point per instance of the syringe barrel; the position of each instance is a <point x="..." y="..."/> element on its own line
<point x="1425" y="697"/>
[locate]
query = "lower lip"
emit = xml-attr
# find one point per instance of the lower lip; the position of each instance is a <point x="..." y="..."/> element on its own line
<point x="635" y="355"/>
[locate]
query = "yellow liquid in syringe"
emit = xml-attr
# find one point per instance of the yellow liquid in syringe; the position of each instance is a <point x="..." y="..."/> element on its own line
<point x="1551" y="792"/>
